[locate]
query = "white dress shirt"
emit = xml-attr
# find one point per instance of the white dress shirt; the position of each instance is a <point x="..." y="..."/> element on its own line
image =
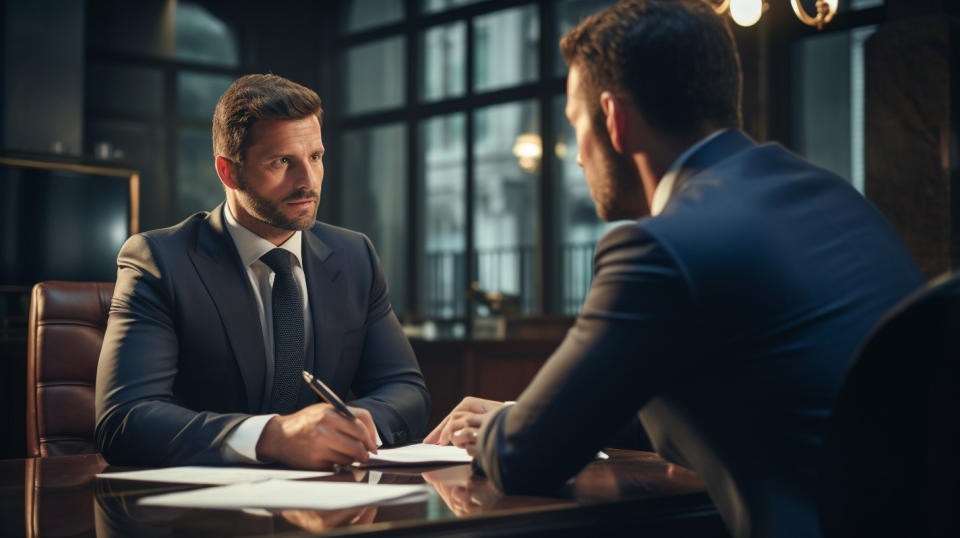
<point x="666" y="187"/>
<point x="241" y="444"/>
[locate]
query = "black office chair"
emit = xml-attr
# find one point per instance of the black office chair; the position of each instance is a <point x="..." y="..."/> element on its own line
<point x="891" y="460"/>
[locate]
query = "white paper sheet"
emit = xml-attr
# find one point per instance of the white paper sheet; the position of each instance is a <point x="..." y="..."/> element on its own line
<point x="211" y="475"/>
<point x="287" y="494"/>
<point x="419" y="454"/>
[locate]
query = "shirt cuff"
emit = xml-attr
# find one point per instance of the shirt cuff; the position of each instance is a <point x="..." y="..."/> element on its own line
<point x="241" y="444"/>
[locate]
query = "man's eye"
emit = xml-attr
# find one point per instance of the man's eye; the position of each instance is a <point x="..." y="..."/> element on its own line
<point x="281" y="161"/>
<point x="316" y="156"/>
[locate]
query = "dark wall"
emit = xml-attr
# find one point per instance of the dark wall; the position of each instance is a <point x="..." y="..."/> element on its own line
<point x="43" y="75"/>
<point x="913" y="121"/>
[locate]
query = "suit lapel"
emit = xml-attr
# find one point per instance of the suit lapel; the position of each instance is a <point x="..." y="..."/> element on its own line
<point x="218" y="264"/>
<point x="322" y="267"/>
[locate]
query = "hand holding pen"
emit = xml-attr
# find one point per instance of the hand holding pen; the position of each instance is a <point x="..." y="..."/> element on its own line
<point x="319" y="436"/>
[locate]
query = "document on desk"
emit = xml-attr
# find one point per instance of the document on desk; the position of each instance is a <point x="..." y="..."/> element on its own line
<point x="288" y="494"/>
<point x="211" y="475"/>
<point x="418" y="454"/>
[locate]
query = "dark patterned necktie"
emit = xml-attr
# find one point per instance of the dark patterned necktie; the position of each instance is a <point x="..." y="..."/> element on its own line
<point x="287" y="333"/>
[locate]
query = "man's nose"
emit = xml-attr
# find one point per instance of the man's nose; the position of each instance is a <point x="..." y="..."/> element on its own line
<point x="579" y="160"/>
<point x="312" y="176"/>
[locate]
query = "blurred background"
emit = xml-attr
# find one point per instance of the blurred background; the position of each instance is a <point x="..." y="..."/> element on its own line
<point x="444" y="120"/>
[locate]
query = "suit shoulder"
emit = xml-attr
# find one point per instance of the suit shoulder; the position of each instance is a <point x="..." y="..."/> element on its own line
<point x="631" y="242"/>
<point x="336" y="236"/>
<point x="171" y="237"/>
<point x="186" y="226"/>
<point x="627" y="234"/>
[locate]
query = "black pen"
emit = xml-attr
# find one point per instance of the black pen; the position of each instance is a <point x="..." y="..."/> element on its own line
<point x="328" y="395"/>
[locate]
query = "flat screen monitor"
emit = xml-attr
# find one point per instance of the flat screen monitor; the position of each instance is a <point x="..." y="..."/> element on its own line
<point x="63" y="221"/>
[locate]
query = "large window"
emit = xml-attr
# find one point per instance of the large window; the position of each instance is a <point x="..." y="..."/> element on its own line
<point x="456" y="158"/>
<point x="155" y="71"/>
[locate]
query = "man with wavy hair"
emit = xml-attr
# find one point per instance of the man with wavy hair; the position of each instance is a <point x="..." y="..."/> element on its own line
<point x="724" y="316"/>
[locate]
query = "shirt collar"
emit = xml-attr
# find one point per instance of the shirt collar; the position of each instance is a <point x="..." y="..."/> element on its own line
<point x="251" y="246"/>
<point x="665" y="189"/>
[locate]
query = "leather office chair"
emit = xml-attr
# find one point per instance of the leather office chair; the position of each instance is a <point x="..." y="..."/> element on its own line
<point x="890" y="465"/>
<point x="65" y="333"/>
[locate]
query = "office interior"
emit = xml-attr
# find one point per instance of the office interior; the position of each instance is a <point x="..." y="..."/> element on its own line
<point x="447" y="145"/>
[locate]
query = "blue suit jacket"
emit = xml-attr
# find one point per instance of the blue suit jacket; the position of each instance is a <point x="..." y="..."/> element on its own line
<point x="182" y="362"/>
<point x="726" y="323"/>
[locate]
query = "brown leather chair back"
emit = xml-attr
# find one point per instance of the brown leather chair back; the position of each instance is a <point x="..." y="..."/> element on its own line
<point x="65" y="332"/>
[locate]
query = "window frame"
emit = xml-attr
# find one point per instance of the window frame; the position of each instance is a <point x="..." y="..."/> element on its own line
<point x="416" y="110"/>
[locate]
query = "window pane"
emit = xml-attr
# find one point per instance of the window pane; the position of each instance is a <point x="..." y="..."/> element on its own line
<point x="432" y="6"/>
<point x="577" y="225"/>
<point x="828" y="116"/>
<point x="143" y="146"/>
<point x="365" y="14"/>
<point x="202" y="37"/>
<point x="569" y="13"/>
<point x="135" y="91"/>
<point x="198" y="93"/>
<point x="507" y="162"/>
<point x="376" y="75"/>
<point x="131" y="27"/>
<point x="443" y="272"/>
<point x="443" y="49"/>
<point x="162" y="28"/>
<point x="374" y="200"/>
<point x="198" y="187"/>
<point x="505" y="48"/>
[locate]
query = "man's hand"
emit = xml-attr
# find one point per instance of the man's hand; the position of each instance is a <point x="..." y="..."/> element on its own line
<point x="317" y="437"/>
<point x="460" y="418"/>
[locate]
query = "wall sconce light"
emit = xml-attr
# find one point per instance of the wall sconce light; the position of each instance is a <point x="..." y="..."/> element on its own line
<point x="528" y="149"/>
<point x="748" y="12"/>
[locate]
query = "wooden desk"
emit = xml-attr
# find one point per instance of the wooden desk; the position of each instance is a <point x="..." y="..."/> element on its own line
<point x="633" y="492"/>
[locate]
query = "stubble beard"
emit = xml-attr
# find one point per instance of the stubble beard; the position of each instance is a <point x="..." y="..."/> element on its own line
<point x="270" y="212"/>
<point x="620" y="193"/>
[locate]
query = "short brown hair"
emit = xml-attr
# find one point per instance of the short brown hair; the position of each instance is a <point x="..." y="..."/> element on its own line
<point x="676" y="60"/>
<point x="255" y="97"/>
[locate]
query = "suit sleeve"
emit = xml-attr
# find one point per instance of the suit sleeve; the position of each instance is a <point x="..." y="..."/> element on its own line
<point x="633" y="337"/>
<point x="138" y="422"/>
<point x="388" y="381"/>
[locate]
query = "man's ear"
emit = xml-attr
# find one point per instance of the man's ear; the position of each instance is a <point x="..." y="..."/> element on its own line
<point x="616" y="115"/>
<point x="227" y="170"/>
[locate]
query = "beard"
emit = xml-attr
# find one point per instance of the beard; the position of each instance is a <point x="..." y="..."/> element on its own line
<point x="271" y="212"/>
<point x="617" y="193"/>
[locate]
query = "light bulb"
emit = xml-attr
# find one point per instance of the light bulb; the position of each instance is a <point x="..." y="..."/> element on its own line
<point x="746" y="12"/>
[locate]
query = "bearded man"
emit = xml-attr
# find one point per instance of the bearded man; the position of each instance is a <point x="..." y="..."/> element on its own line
<point x="214" y="320"/>
<point x="724" y="316"/>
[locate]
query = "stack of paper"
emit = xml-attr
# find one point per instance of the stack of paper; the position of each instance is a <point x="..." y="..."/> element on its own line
<point x="419" y="454"/>
<point x="211" y="475"/>
<point x="287" y="494"/>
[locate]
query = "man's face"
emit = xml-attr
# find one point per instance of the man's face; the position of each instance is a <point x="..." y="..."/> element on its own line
<point x="610" y="176"/>
<point x="280" y="180"/>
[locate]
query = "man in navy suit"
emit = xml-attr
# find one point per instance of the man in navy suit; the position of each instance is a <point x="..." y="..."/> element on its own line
<point x="194" y="369"/>
<point x="723" y="318"/>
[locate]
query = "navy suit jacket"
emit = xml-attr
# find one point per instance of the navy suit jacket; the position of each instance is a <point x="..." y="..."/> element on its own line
<point x="182" y="362"/>
<point x="726" y="323"/>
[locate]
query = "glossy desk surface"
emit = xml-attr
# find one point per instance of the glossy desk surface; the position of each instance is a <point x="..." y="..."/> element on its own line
<point x="60" y="496"/>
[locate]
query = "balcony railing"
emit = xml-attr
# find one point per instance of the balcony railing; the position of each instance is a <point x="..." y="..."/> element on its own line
<point x="509" y="270"/>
